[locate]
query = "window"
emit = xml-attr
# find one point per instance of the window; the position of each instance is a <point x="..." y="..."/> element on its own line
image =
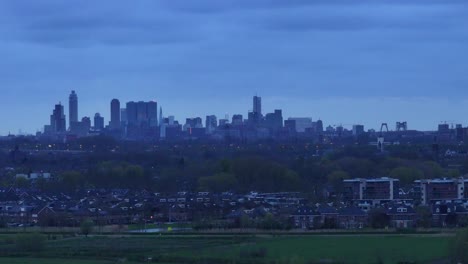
<point x="402" y="210"/>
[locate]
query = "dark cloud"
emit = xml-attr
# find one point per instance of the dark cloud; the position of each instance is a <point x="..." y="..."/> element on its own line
<point x="81" y="24"/>
<point x="184" y="51"/>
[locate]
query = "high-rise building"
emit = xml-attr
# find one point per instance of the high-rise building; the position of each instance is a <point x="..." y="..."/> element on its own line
<point x="237" y="120"/>
<point x="257" y="105"/>
<point x="290" y="124"/>
<point x="86" y="121"/>
<point x="274" y="121"/>
<point x="152" y="113"/>
<point x="319" y="127"/>
<point x="98" y="122"/>
<point x="115" y="114"/>
<point x="211" y="123"/>
<point x="193" y="123"/>
<point x="302" y="123"/>
<point x="132" y="113"/>
<point x="223" y="122"/>
<point x="58" y="123"/>
<point x="160" y="116"/>
<point x="142" y="114"/>
<point x="358" y="130"/>
<point x="123" y="116"/>
<point x="73" y="107"/>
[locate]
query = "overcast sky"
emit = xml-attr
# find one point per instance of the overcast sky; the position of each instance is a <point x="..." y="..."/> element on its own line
<point x="344" y="61"/>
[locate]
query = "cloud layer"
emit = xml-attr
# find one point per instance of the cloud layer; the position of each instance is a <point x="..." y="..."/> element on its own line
<point x="181" y="53"/>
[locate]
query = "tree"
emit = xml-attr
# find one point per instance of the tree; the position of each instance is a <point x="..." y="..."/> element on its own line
<point x="406" y="175"/>
<point x="459" y="247"/>
<point x="218" y="183"/>
<point x="336" y="179"/>
<point x="134" y="176"/>
<point x="424" y="216"/>
<point x="87" y="227"/>
<point x="21" y="182"/>
<point x="71" y="180"/>
<point x="379" y="218"/>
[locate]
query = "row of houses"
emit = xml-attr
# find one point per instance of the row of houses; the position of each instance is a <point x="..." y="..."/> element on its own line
<point x="395" y="215"/>
<point x="123" y="207"/>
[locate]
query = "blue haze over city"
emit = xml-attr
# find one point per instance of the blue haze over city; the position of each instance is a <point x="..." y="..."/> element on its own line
<point x="344" y="62"/>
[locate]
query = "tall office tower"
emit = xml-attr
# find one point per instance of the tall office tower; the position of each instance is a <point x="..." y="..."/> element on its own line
<point x="132" y="113"/>
<point x="123" y="116"/>
<point x="358" y="130"/>
<point x="115" y="114"/>
<point x="58" y="123"/>
<point x="98" y="122"/>
<point x="302" y="123"/>
<point x="211" y="123"/>
<point x="142" y="113"/>
<point x="319" y="127"/>
<point x="160" y="116"/>
<point x="195" y="122"/>
<point x="257" y="105"/>
<point x="86" y="122"/>
<point x="73" y="108"/>
<point x="237" y="120"/>
<point x="152" y="113"/>
<point x="274" y="120"/>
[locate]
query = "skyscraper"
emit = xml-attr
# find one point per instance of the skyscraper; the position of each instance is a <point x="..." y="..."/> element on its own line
<point x="152" y="113"/>
<point x="86" y="123"/>
<point x="211" y="123"/>
<point x="160" y="116"/>
<point x="58" y="121"/>
<point x="237" y="120"/>
<point x="73" y="108"/>
<point x="131" y="113"/>
<point x="115" y="114"/>
<point x="257" y="105"/>
<point x="142" y="113"/>
<point x="274" y="121"/>
<point x="98" y="122"/>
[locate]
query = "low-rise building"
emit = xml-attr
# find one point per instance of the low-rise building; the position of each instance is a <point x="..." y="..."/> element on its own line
<point x="375" y="190"/>
<point x="430" y="191"/>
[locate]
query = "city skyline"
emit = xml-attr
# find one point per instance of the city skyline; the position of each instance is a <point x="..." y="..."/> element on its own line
<point x="267" y="107"/>
<point x="364" y="62"/>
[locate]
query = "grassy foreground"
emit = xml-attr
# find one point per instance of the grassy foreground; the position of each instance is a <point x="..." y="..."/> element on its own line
<point x="235" y="249"/>
<point x="49" y="261"/>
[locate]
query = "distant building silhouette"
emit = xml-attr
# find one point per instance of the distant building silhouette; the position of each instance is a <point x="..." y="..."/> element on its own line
<point x="142" y="114"/>
<point x="319" y="127"/>
<point x="302" y="123"/>
<point x="115" y="114"/>
<point x="257" y="105"/>
<point x="237" y="120"/>
<point x="73" y="108"/>
<point x="211" y="123"/>
<point x="58" y="123"/>
<point x="98" y="122"/>
<point x="358" y="130"/>
<point x="274" y="121"/>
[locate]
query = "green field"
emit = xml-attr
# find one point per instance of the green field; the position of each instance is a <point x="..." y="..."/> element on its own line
<point x="49" y="261"/>
<point x="345" y="249"/>
<point x="236" y="249"/>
